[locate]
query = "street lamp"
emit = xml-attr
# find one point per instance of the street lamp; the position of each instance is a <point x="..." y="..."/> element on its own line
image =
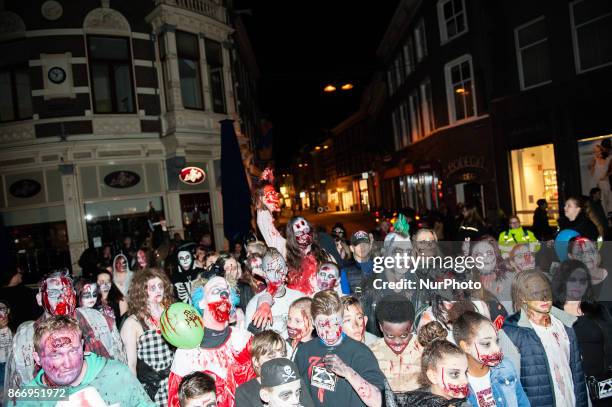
<point x="331" y="88"/>
<point x="347" y="86"/>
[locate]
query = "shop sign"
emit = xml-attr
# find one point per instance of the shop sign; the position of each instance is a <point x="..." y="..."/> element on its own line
<point x="25" y="188"/>
<point x="192" y="175"/>
<point x="462" y="163"/>
<point x="122" y="179"/>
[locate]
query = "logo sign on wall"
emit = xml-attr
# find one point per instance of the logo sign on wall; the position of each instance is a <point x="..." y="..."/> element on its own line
<point x="122" y="179"/>
<point x="25" y="188"/>
<point x="192" y="175"/>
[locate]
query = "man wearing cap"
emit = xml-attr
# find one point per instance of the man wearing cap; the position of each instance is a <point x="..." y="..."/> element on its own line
<point x="282" y="386"/>
<point x="352" y="275"/>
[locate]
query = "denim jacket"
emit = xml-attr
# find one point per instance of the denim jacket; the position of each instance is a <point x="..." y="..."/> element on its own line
<point x="506" y="387"/>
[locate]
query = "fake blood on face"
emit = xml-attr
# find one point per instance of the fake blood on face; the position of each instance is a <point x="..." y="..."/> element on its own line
<point x="220" y="310"/>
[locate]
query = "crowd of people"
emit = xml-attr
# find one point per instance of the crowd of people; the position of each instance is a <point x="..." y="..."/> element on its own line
<point x="300" y="317"/>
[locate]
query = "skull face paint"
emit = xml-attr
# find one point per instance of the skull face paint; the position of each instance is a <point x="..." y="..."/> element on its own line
<point x="216" y="299"/>
<point x="302" y="232"/>
<point x="329" y="328"/>
<point x="271" y="198"/>
<point x="327" y="277"/>
<point x="450" y="376"/>
<point x="58" y="296"/>
<point x="274" y="271"/>
<point x="185" y="260"/>
<point x="61" y="357"/>
<point x="155" y="290"/>
<point x="285" y="395"/>
<point x="485" y="348"/>
<point x="120" y="264"/>
<point x="89" y="296"/>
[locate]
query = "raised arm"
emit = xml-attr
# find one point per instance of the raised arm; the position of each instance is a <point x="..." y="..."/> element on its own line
<point x="368" y="393"/>
<point x="265" y="223"/>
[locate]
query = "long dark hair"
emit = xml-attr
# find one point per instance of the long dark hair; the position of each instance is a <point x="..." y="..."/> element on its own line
<point x="114" y="295"/>
<point x="588" y="305"/>
<point x="79" y="286"/>
<point x="294" y="253"/>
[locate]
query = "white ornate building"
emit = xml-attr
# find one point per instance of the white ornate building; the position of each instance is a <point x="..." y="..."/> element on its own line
<point x="103" y="103"/>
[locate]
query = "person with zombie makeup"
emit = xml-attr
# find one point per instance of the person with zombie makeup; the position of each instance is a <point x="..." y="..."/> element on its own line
<point x="543" y="345"/>
<point x="398" y="352"/>
<point x="443" y="372"/>
<point x="143" y="258"/>
<point x="224" y="352"/>
<point x="122" y="275"/>
<point x="57" y="297"/>
<point x="493" y="380"/>
<point x="185" y="273"/>
<point x="354" y="321"/>
<point x="338" y="370"/>
<point x="149" y="355"/>
<point x="111" y="297"/>
<point x="327" y="278"/>
<point x="267" y="202"/>
<point x="266" y="345"/>
<point x="274" y="271"/>
<point x="87" y="378"/>
<point x="361" y="266"/>
<point x="88" y="296"/>
<point x="582" y="249"/>
<point x="300" y="325"/>
<point x="521" y="258"/>
<point x="197" y="390"/>
<point x="200" y="257"/>
<point x="282" y="386"/>
<point x="6" y="338"/>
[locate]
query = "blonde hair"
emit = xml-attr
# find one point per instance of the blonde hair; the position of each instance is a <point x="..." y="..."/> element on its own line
<point x="54" y="324"/>
<point x="263" y="344"/>
<point x="520" y="292"/>
<point x="326" y="302"/>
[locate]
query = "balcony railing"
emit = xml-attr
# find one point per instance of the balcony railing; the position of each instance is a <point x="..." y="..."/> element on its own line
<point x="204" y="7"/>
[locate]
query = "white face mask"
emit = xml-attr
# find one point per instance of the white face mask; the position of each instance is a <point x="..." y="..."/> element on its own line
<point x="185" y="259"/>
<point x="89" y="295"/>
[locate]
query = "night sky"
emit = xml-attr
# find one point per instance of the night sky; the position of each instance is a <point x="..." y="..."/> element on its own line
<point x="300" y="47"/>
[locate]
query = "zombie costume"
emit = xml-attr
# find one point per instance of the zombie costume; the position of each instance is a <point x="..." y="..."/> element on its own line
<point x="106" y="379"/>
<point x="273" y="238"/>
<point x="117" y="268"/>
<point x="185" y="273"/>
<point x="228" y="362"/>
<point x="153" y="364"/>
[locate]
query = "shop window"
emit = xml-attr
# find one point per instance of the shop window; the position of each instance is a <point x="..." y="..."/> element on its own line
<point x="460" y="88"/>
<point x="15" y="94"/>
<point x="420" y="191"/>
<point x="188" y="52"/>
<point x="592" y="33"/>
<point x="214" y="59"/>
<point x="532" y="53"/>
<point x="534" y="176"/>
<point x="452" y="19"/>
<point x="111" y="74"/>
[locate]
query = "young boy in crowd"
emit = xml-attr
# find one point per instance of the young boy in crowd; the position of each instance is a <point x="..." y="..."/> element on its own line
<point x="338" y="370"/>
<point x="282" y="386"/>
<point x="299" y="323"/>
<point x="354" y="321"/>
<point x="265" y="345"/>
<point x="197" y="390"/>
<point x="398" y="351"/>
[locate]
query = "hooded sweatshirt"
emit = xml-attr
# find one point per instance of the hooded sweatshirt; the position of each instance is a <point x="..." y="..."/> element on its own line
<point x="111" y="380"/>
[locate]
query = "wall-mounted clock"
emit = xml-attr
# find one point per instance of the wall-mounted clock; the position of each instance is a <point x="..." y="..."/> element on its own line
<point x="56" y="75"/>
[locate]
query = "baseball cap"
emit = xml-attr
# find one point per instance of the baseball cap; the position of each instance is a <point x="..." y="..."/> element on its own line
<point x="278" y="371"/>
<point x="360" y="237"/>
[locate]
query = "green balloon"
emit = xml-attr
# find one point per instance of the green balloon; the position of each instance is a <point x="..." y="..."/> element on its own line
<point x="182" y="326"/>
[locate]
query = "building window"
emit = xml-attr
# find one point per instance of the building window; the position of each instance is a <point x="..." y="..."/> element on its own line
<point x="400" y="72"/>
<point x="405" y="118"/>
<point x="415" y="116"/>
<point x="111" y="74"/>
<point x="420" y="40"/>
<point x="452" y="19"/>
<point x="532" y="53"/>
<point x="397" y="130"/>
<point x="460" y="88"/>
<point x="188" y="53"/>
<point x="429" y="123"/>
<point x="409" y="56"/>
<point x="15" y="94"/>
<point x="214" y="59"/>
<point x="592" y="33"/>
<point x="391" y="81"/>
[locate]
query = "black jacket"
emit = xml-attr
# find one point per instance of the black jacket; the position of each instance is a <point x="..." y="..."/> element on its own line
<point x="584" y="226"/>
<point x="541" y="227"/>
<point x="423" y="398"/>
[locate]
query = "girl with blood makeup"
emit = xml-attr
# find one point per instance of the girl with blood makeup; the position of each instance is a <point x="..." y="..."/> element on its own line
<point x="327" y="278"/>
<point x="493" y="379"/>
<point x="224" y="351"/>
<point x="111" y="297"/>
<point x="122" y="275"/>
<point x="443" y="372"/>
<point x="143" y="258"/>
<point x="300" y="325"/>
<point x="88" y="296"/>
<point x="274" y="271"/>
<point x="522" y="258"/>
<point x="267" y="203"/>
<point x="149" y="355"/>
<point x="585" y="250"/>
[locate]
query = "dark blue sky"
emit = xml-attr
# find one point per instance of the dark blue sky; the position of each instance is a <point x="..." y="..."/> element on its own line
<point x="301" y="46"/>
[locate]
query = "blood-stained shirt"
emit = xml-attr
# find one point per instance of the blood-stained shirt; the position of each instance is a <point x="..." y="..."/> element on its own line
<point x="403" y="370"/>
<point x="229" y="364"/>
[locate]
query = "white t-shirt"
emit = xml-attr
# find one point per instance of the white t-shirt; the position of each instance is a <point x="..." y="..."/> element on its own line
<point x="280" y="310"/>
<point x="6" y="339"/>
<point x="557" y="347"/>
<point x="482" y="390"/>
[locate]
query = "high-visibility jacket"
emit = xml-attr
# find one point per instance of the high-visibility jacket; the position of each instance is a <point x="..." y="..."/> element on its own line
<point x="510" y="238"/>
